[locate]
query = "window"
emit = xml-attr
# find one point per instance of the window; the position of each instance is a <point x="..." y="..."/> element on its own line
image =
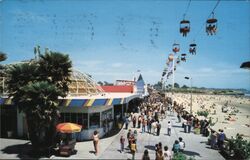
<point x="94" y="120"/>
<point x="78" y="118"/>
<point x="62" y="115"/>
<point x="73" y="118"/>
<point x="66" y="117"/>
<point x="107" y="115"/>
<point x="82" y="119"/>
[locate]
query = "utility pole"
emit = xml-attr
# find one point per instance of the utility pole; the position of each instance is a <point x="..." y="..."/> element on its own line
<point x="173" y="86"/>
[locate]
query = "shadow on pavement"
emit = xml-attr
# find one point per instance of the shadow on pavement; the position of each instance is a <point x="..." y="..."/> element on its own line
<point x="112" y="132"/>
<point x="191" y="153"/>
<point x="203" y="142"/>
<point x="150" y="147"/>
<point x="177" y="126"/>
<point x="23" y="151"/>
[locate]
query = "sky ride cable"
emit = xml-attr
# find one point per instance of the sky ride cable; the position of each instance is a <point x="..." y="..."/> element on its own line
<point x="212" y="12"/>
<point x="185" y="13"/>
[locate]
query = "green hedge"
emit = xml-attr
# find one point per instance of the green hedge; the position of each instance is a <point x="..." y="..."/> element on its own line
<point x="203" y="113"/>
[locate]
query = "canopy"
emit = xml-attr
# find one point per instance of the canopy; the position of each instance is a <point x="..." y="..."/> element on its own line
<point x="184" y="21"/>
<point x="68" y="127"/>
<point x="212" y="20"/>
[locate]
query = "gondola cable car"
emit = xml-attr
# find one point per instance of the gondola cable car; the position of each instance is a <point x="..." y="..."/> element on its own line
<point x="183" y="57"/>
<point x="192" y="48"/>
<point x="211" y="25"/>
<point x="184" y="27"/>
<point x="176" y="47"/>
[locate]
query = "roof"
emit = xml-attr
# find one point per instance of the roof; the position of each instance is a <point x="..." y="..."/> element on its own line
<point x="83" y="84"/>
<point x="121" y="89"/>
<point x="100" y="99"/>
<point x="140" y="78"/>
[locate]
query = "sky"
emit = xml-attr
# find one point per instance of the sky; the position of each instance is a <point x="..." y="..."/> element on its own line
<point x="113" y="39"/>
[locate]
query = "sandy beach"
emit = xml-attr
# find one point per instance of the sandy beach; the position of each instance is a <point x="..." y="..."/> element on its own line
<point x="235" y="120"/>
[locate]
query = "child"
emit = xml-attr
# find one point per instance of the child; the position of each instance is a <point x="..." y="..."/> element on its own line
<point x="182" y="144"/>
<point x="133" y="149"/>
<point x="169" y="128"/>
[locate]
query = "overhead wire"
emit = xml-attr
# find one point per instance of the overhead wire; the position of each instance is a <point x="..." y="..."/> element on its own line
<point x="212" y="12"/>
<point x="185" y="13"/>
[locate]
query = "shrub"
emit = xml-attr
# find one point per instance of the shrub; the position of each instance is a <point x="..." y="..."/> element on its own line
<point x="240" y="147"/>
<point x="203" y="113"/>
<point x="179" y="156"/>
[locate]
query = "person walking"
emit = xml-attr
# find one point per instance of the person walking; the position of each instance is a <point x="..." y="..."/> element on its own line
<point x="135" y="135"/>
<point x="96" y="141"/>
<point x="126" y="122"/>
<point x="221" y="138"/>
<point x="128" y="137"/>
<point x="176" y="146"/>
<point x="179" y="117"/>
<point x="182" y="144"/>
<point x="134" y="121"/>
<point x="145" y="155"/>
<point x="144" y="123"/>
<point x="213" y="139"/>
<point x="167" y="153"/>
<point x="122" y="142"/>
<point x="133" y="149"/>
<point x="169" y="128"/>
<point x="139" y="122"/>
<point x="159" y="155"/>
<point x="149" y="122"/>
<point x="158" y="128"/>
<point x="189" y="124"/>
<point x="185" y="125"/>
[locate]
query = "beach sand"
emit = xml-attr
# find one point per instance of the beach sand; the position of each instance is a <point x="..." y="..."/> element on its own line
<point x="230" y="123"/>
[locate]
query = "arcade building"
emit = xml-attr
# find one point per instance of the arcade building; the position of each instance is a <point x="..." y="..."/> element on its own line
<point x="88" y="104"/>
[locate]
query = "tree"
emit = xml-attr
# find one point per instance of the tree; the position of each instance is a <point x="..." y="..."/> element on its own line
<point x="35" y="88"/>
<point x="169" y="86"/>
<point x="185" y="87"/>
<point x="100" y="83"/>
<point x="176" y="85"/>
<point x="3" y="57"/>
<point x="105" y="83"/>
<point x="158" y="86"/>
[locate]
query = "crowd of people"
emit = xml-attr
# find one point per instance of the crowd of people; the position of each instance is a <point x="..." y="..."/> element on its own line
<point x="148" y="120"/>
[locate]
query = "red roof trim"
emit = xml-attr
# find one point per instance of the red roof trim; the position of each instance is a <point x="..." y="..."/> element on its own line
<point x="126" y="89"/>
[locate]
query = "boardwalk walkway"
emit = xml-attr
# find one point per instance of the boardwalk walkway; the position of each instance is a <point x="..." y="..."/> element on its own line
<point x="195" y="144"/>
<point x="109" y="147"/>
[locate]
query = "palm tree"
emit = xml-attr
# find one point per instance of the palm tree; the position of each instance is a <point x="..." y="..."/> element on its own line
<point x="3" y="56"/>
<point x="35" y="88"/>
<point x="56" y="69"/>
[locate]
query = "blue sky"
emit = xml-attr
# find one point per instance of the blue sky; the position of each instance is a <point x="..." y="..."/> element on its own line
<point x="112" y="39"/>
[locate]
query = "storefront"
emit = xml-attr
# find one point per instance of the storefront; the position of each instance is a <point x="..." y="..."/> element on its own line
<point x="95" y="114"/>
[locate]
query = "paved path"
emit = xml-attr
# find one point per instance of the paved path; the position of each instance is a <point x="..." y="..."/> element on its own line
<point x="109" y="147"/>
<point x="195" y="144"/>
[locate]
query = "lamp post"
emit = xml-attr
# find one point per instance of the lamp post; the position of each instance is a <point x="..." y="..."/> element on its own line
<point x="191" y="100"/>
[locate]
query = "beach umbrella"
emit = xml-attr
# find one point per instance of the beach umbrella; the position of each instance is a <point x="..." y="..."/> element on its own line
<point x="68" y="127"/>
